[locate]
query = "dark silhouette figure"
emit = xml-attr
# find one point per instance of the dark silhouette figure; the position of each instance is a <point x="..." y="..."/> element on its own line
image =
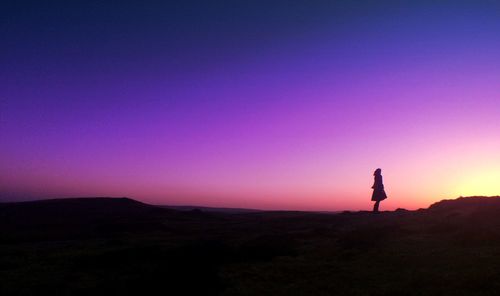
<point x="378" y="190"/>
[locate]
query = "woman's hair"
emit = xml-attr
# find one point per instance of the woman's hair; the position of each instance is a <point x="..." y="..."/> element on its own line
<point x="377" y="172"/>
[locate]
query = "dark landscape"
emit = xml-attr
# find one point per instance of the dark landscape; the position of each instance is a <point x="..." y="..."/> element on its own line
<point x="119" y="246"/>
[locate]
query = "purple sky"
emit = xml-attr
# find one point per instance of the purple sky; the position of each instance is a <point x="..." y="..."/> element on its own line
<point x="270" y="104"/>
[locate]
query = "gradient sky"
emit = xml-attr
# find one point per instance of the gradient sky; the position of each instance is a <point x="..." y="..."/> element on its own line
<point x="260" y="104"/>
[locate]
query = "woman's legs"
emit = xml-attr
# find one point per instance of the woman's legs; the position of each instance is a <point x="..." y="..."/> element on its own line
<point x="375" y="206"/>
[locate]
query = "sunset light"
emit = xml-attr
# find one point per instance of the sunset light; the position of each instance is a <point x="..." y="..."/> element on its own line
<point x="277" y="115"/>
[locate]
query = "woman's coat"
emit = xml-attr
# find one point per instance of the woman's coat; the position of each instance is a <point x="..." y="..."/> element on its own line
<point x="378" y="189"/>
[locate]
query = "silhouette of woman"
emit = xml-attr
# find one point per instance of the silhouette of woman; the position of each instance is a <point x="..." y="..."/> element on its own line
<point x="378" y="190"/>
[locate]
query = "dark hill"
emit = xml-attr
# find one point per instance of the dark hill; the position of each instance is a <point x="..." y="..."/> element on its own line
<point x="467" y="205"/>
<point x="79" y="206"/>
<point x="472" y="219"/>
<point x="76" y="210"/>
<point x="77" y="218"/>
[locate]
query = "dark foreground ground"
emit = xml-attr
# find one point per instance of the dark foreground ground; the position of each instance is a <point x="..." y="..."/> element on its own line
<point x="122" y="247"/>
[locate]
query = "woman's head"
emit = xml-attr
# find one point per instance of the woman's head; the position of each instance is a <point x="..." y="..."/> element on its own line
<point x="377" y="172"/>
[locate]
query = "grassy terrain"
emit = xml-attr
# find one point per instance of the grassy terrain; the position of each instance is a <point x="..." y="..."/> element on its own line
<point x="90" y="246"/>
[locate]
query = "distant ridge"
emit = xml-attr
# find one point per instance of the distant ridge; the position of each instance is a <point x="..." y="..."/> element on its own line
<point x="211" y="209"/>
